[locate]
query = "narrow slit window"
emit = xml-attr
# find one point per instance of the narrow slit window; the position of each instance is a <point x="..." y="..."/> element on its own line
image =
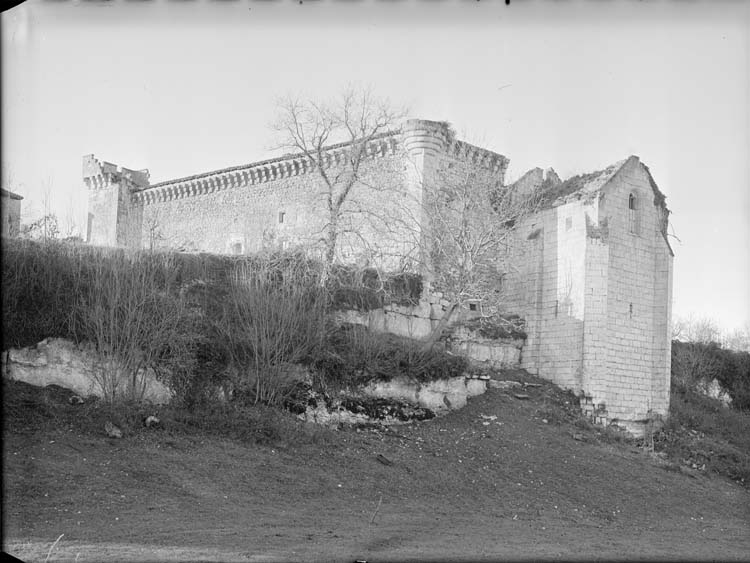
<point x="633" y="214"/>
<point x="281" y="216"/>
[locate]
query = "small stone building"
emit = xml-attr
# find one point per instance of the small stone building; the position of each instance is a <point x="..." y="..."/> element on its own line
<point x="594" y="283"/>
<point x="11" y="213"/>
<point x="592" y="271"/>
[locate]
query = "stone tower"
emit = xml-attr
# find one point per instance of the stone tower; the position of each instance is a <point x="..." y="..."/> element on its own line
<point x="113" y="218"/>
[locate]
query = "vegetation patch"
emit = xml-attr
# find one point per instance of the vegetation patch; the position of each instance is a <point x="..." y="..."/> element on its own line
<point x="368" y="289"/>
<point x="355" y="356"/>
<point x="496" y="327"/>
<point x="696" y="364"/>
<point x="703" y="434"/>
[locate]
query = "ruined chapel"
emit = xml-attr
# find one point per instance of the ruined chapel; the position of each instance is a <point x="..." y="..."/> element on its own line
<point x="592" y="274"/>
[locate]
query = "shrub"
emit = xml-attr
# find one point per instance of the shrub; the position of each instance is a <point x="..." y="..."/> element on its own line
<point x="355" y="355"/>
<point x="273" y="315"/>
<point x="695" y="364"/>
<point x="367" y="289"/>
<point x="700" y="431"/>
<point x="496" y="327"/>
<point x="128" y="309"/>
<point x="40" y="283"/>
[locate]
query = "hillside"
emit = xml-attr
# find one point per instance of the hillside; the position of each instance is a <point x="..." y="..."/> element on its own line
<point x="534" y="482"/>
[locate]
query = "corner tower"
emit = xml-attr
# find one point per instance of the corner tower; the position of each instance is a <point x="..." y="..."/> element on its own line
<point x="113" y="218"/>
<point x="423" y="142"/>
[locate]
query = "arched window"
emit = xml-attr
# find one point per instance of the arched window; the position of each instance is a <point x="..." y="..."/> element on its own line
<point x="633" y="214"/>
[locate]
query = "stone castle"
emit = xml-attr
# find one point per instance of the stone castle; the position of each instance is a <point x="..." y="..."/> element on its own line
<point x="592" y="273"/>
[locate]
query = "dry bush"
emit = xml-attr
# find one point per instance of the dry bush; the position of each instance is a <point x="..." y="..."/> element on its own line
<point x="355" y="355"/>
<point x="40" y="282"/>
<point x="696" y="364"/>
<point x="365" y="289"/>
<point x="701" y="431"/>
<point x="274" y="315"/>
<point x="129" y="309"/>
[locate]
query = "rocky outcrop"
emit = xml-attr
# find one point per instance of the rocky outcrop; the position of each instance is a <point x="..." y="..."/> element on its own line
<point x="397" y="401"/>
<point x="80" y="368"/>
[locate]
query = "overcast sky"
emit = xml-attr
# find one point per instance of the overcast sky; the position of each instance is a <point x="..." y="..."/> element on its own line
<point x="181" y="88"/>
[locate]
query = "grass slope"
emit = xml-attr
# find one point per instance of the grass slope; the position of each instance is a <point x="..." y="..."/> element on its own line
<point x="463" y="487"/>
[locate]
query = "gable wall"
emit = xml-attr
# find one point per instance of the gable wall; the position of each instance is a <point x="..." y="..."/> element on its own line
<point x="638" y="289"/>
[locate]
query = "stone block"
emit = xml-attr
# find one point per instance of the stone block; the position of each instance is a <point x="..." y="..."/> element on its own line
<point x="475" y="387"/>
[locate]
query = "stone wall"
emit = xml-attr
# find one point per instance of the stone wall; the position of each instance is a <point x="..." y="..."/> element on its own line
<point x="638" y="299"/>
<point x="280" y="203"/>
<point x="597" y="297"/>
<point x="547" y="289"/>
<point x="285" y="211"/>
<point x="418" y="322"/>
<point x="114" y="218"/>
<point x="11" y="214"/>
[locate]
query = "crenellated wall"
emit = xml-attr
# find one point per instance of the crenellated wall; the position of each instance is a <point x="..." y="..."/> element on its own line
<point x="114" y="215"/>
<point x="280" y="203"/>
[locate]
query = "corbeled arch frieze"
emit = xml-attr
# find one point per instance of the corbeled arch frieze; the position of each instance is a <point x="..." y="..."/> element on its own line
<point x="252" y="174"/>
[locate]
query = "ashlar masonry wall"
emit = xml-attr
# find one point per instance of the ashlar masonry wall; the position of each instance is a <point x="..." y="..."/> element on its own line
<point x="639" y="273"/>
<point x="547" y="287"/>
<point x="281" y="202"/>
<point x="286" y="210"/>
<point x="593" y="279"/>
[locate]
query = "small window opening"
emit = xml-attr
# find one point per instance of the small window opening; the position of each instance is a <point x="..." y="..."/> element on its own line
<point x="632" y="214"/>
<point x="568" y="223"/>
<point x="237" y="248"/>
<point x="281" y="216"/>
<point x="631" y="310"/>
<point x="472" y="306"/>
<point x="557" y="308"/>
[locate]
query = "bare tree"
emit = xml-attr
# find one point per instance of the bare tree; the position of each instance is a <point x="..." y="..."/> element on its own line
<point x="472" y="219"/>
<point x="46" y="226"/>
<point x="696" y="329"/>
<point x="738" y="339"/>
<point x="154" y="231"/>
<point x="71" y="228"/>
<point x="309" y="127"/>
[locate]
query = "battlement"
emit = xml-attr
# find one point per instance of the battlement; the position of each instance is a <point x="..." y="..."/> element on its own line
<point x="101" y="174"/>
<point x="433" y="137"/>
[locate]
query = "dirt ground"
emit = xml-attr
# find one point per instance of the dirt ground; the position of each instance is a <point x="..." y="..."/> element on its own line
<point x="461" y="487"/>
